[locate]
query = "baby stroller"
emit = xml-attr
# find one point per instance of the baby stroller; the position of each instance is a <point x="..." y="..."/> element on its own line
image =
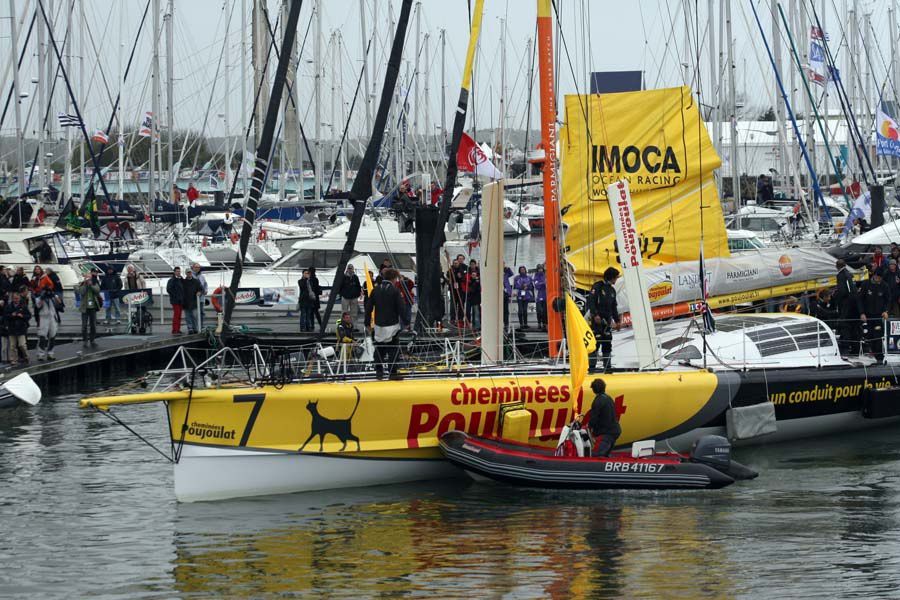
<point x="141" y="321"/>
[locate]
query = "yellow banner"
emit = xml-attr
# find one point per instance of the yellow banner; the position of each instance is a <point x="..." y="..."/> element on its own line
<point x="581" y="343"/>
<point x="656" y="141"/>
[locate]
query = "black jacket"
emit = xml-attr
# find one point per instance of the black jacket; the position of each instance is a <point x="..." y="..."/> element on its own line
<point x="190" y="288"/>
<point x="350" y="287"/>
<point x="845" y="294"/>
<point x="893" y="282"/>
<point x="18" y="281"/>
<point x="603" y="419"/>
<point x="303" y="293"/>
<point x="874" y="299"/>
<point x="386" y="302"/>
<point x="826" y="311"/>
<point x="317" y="289"/>
<point x="602" y="302"/>
<point x="17" y="317"/>
<point x="175" y="289"/>
<point x="111" y="283"/>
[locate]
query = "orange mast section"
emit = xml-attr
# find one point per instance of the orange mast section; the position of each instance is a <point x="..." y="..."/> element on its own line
<point x="552" y="229"/>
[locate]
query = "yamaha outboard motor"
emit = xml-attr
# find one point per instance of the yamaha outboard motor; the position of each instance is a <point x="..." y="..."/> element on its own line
<point x="715" y="451"/>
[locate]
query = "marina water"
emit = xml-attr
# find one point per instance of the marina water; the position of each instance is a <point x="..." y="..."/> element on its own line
<point x="86" y="510"/>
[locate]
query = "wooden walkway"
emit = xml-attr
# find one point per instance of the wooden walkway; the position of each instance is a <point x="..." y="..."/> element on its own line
<point x="115" y="350"/>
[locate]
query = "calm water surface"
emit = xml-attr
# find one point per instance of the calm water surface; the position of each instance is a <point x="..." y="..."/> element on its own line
<point x="87" y="511"/>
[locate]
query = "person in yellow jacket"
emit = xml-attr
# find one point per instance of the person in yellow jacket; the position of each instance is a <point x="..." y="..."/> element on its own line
<point x="345" y="336"/>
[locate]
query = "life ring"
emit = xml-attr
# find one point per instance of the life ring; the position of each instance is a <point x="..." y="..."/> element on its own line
<point x="216" y="299"/>
<point x="234" y="238"/>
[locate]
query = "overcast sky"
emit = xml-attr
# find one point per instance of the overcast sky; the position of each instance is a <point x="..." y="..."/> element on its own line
<point x="648" y="35"/>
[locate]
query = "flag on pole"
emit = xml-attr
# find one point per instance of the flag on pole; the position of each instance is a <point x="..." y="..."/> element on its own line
<point x="887" y="135"/>
<point x="100" y="137"/>
<point x="472" y="159"/>
<point x="369" y="288"/>
<point x="581" y="342"/>
<point x="817" y="71"/>
<point x="68" y="120"/>
<point x="709" y="323"/>
<point x="146" y="125"/>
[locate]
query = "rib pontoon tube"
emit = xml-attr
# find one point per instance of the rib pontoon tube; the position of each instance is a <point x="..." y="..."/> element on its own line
<point x="533" y="466"/>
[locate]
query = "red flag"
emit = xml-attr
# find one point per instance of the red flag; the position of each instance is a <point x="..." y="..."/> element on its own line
<point x="472" y="159"/>
<point x="100" y="137"/>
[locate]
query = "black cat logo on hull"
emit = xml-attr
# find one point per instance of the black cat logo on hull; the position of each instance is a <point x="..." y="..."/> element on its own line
<point x="322" y="426"/>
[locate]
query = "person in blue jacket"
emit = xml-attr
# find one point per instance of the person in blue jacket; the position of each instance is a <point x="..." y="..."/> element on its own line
<point x="523" y="286"/>
<point x="540" y="296"/>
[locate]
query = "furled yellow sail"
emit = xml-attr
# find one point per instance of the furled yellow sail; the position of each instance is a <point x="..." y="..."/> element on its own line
<point x="656" y="140"/>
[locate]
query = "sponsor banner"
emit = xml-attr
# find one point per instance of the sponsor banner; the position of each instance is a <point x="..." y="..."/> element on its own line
<point x="137" y="297"/>
<point x="280" y="295"/>
<point x="800" y="393"/>
<point x="680" y="309"/>
<point x="247" y="296"/>
<point x="746" y="274"/>
<point x="300" y="417"/>
<point x="893" y="336"/>
<point x="887" y="138"/>
<point x="638" y="137"/>
<point x="624" y="225"/>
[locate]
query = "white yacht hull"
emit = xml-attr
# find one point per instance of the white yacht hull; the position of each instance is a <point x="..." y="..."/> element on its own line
<point x="209" y="473"/>
<point x="789" y="430"/>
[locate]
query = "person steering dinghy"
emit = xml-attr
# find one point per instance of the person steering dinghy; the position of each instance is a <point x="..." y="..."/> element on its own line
<point x="604" y="422"/>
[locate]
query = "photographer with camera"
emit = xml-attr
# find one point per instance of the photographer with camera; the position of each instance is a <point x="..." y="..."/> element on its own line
<point x="91" y="301"/>
<point x="48" y="304"/>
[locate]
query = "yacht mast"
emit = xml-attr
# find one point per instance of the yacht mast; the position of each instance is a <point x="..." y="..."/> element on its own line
<point x="226" y="111"/>
<point x="67" y="103"/>
<point x="868" y="96"/>
<point x="809" y="114"/>
<point x="794" y="147"/>
<point x="551" y="187"/>
<point x="17" y="91"/>
<point x="895" y="73"/>
<point x="263" y="152"/>
<point x="170" y="98"/>
<point x="82" y="89"/>
<point x="852" y="53"/>
<point x="503" y="96"/>
<point x="332" y="46"/>
<point x="154" y="99"/>
<point x="342" y="150"/>
<point x="120" y="142"/>
<point x="376" y="57"/>
<point x="317" y="65"/>
<point x="825" y="95"/>
<point x="429" y="279"/>
<point x="245" y="168"/>
<point x="260" y="94"/>
<point x="418" y="98"/>
<point x="42" y="81"/>
<point x="443" y="88"/>
<point x="732" y="104"/>
<point x="713" y="86"/>
<point x="427" y="128"/>
<point x="779" y="104"/>
<point x="363" y="42"/>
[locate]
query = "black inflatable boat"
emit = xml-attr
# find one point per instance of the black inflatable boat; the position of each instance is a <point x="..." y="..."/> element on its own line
<point x="709" y="465"/>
